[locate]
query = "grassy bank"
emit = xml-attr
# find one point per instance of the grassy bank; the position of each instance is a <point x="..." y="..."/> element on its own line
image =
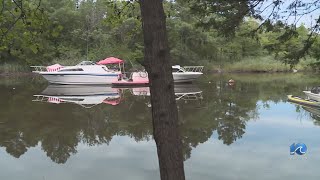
<point x="263" y="64"/>
<point x="286" y="78"/>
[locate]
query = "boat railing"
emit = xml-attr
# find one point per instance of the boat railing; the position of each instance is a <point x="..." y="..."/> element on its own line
<point x="193" y="68"/>
<point x="37" y="69"/>
<point x="56" y="100"/>
<point x="135" y="74"/>
<point x="50" y="99"/>
<point x="189" y="96"/>
<point x="40" y="98"/>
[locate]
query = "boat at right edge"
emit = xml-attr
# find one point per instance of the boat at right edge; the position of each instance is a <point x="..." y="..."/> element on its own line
<point x="313" y="94"/>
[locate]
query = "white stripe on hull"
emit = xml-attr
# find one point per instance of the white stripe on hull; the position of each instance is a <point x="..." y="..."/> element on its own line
<point x="79" y="79"/>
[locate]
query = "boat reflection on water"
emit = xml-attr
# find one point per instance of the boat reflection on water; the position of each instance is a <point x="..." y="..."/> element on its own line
<point x="86" y="96"/>
<point x="182" y="92"/>
<point x="314" y="112"/>
<point x="89" y="96"/>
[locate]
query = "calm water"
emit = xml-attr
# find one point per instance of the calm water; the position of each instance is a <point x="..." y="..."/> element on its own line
<point x="97" y="132"/>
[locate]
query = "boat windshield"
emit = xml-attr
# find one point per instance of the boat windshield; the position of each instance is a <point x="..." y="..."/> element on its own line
<point x="71" y="69"/>
<point x="177" y="68"/>
<point x="315" y="90"/>
<point x="86" y="63"/>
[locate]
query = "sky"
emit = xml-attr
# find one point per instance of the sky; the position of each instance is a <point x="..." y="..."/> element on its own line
<point x="308" y="20"/>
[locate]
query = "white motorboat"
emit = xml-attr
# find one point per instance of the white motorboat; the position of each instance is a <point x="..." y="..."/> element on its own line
<point x="186" y="73"/>
<point x="86" y="96"/>
<point x="313" y="94"/>
<point x="85" y="72"/>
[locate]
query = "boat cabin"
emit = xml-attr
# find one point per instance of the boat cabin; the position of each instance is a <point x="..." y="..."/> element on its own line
<point x="86" y="63"/>
<point x="87" y="66"/>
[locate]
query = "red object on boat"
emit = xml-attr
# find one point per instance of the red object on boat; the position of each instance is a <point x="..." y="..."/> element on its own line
<point x="54" y="100"/>
<point x="112" y="102"/>
<point x="54" y="67"/>
<point x="110" y="60"/>
<point x="136" y="79"/>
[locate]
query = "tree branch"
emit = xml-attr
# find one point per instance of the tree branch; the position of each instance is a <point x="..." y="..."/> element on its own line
<point x="3" y="6"/>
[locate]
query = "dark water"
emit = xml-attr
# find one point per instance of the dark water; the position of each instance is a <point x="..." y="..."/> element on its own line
<point x="95" y="132"/>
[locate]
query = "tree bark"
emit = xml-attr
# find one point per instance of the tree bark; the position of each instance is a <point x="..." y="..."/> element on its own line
<point x="164" y="108"/>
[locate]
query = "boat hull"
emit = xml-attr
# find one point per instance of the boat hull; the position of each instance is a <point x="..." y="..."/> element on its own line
<point x="63" y="78"/>
<point x="186" y="77"/>
<point x="312" y="96"/>
<point x="301" y="101"/>
<point x="56" y="78"/>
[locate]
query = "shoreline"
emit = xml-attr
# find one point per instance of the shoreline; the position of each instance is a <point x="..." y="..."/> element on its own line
<point x="16" y="74"/>
<point x="254" y="72"/>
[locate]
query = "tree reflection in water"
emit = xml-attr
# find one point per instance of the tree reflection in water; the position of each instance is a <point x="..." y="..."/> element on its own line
<point x="59" y="128"/>
<point x="312" y="112"/>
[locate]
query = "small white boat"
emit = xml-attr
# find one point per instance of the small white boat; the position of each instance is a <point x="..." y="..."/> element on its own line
<point x="313" y="94"/>
<point x="85" y="72"/>
<point x="186" y="73"/>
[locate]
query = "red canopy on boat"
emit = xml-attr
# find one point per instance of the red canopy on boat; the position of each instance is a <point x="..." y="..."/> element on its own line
<point x="110" y="60"/>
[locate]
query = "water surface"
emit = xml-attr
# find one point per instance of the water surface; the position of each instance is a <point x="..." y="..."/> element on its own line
<point x="97" y="132"/>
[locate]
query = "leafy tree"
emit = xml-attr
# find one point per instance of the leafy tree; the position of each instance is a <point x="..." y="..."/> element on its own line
<point x="25" y="30"/>
<point x="233" y="13"/>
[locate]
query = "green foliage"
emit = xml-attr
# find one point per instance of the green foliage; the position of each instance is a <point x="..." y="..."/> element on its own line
<point x="285" y="42"/>
<point x="68" y="31"/>
<point x="25" y="32"/>
<point x="266" y="64"/>
<point x="225" y="16"/>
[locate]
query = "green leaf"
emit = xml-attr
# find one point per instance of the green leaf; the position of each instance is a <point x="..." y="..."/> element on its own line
<point x="34" y="48"/>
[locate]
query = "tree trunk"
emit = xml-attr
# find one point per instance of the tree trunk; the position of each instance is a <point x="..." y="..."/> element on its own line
<point x="164" y="108"/>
